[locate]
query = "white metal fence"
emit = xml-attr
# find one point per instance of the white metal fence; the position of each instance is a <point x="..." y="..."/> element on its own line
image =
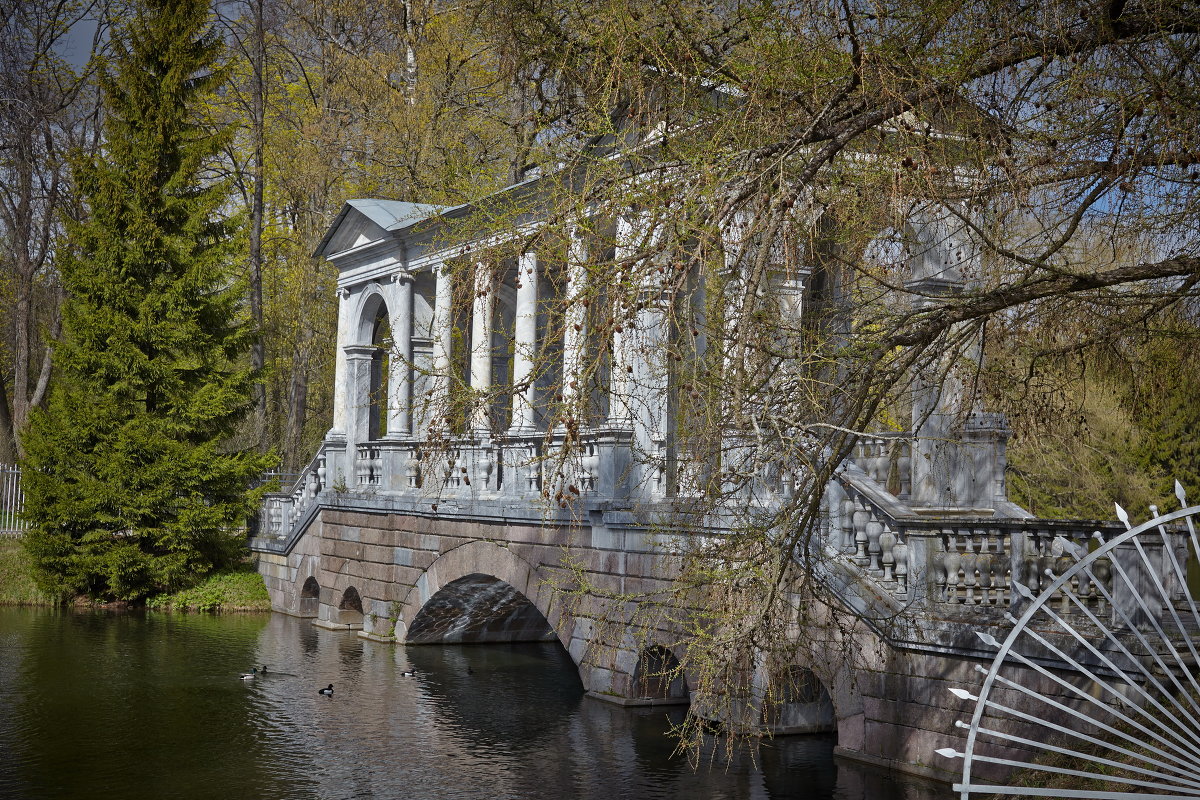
<point x="12" y="501"/>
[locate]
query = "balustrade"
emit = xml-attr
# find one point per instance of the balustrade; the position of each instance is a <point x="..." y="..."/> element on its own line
<point x="887" y="460"/>
<point x="978" y="562"/>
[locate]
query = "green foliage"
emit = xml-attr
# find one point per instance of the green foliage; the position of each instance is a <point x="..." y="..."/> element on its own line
<point x="17" y="586"/>
<point x="130" y="490"/>
<point x="238" y="589"/>
<point x="1116" y="424"/>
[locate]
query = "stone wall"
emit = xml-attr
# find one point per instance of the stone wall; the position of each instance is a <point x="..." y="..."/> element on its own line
<point x="891" y="705"/>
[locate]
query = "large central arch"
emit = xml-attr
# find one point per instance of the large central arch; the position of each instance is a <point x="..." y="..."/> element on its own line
<point x="480" y="592"/>
<point x="478" y="608"/>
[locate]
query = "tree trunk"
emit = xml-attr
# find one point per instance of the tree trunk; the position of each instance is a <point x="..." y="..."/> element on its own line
<point x="297" y="413"/>
<point x="258" y="357"/>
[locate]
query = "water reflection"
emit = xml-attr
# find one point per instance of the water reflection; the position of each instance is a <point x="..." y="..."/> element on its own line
<point x="150" y="706"/>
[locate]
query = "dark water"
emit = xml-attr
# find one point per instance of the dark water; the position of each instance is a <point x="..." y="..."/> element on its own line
<point x="142" y="705"/>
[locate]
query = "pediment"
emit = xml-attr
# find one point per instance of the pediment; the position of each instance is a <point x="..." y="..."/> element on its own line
<point x="363" y="221"/>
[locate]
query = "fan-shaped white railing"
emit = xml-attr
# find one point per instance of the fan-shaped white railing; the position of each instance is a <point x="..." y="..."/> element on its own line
<point x="1094" y="692"/>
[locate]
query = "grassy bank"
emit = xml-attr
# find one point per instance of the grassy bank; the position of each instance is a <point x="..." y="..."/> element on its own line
<point x="16" y="584"/>
<point x="241" y="589"/>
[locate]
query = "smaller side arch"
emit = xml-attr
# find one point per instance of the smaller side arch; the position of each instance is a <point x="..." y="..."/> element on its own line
<point x="659" y="676"/>
<point x="799" y="704"/>
<point x="350" y="608"/>
<point x="310" y="598"/>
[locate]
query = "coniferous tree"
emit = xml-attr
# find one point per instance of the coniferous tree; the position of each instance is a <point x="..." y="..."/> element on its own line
<point x="130" y="487"/>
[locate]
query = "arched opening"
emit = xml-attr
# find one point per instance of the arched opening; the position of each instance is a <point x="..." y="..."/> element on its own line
<point x="381" y="338"/>
<point x="658" y="676"/>
<point x="369" y="388"/>
<point x="799" y="703"/>
<point x="350" y="609"/>
<point x="478" y="608"/>
<point x="310" y="597"/>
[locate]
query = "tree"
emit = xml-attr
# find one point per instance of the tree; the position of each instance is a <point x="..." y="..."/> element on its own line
<point x="336" y="100"/>
<point x="46" y="108"/>
<point x="130" y="487"/>
<point x="766" y="145"/>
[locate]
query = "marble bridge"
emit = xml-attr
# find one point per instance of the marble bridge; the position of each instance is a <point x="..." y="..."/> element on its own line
<point x="402" y="531"/>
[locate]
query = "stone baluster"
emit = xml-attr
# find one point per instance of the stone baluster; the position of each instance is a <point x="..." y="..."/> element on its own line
<point x="1062" y="563"/>
<point x="361" y="470"/>
<point x="1030" y="573"/>
<point x="985" y="562"/>
<point x="847" y="519"/>
<point x="533" y="470"/>
<point x="901" y="555"/>
<point x="589" y="465"/>
<point x="1087" y="589"/>
<point x="412" y="469"/>
<point x="861" y="516"/>
<point x="1002" y="577"/>
<point x="322" y="473"/>
<point x="487" y="464"/>
<point x="970" y="563"/>
<point x="953" y="562"/>
<point x="874" y="531"/>
<point x="938" y="562"/>
<point x="274" y="516"/>
<point x="1045" y="558"/>
<point x="887" y="541"/>
<point x="1102" y="572"/>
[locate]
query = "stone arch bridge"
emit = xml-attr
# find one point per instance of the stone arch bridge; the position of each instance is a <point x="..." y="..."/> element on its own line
<point x="479" y="565"/>
<point x="403" y="531"/>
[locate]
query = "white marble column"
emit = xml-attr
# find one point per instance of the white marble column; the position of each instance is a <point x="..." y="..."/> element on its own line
<point x="525" y="345"/>
<point x="620" y="382"/>
<point x="359" y="359"/>
<point x="341" y="379"/>
<point x="400" y="359"/>
<point x="481" y="346"/>
<point x="575" y="318"/>
<point x="442" y="338"/>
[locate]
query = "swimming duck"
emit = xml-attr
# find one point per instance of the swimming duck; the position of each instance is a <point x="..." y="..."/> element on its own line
<point x="328" y="690"/>
<point x="408" y="673"/>
<point x="248" y="676"/>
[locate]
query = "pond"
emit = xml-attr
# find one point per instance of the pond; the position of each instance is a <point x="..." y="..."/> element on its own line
<point x="135" y="705"/>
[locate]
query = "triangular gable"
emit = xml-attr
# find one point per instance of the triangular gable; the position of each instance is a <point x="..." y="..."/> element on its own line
<point x="367" y="220"/>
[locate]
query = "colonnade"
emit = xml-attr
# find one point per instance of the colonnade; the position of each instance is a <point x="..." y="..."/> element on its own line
<point x="395" y="296"/>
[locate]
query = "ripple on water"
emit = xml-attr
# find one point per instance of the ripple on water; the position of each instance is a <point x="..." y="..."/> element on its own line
<point x="143" y="705"/>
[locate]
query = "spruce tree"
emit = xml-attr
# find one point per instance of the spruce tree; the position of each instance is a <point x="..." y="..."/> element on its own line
<point x="132" y="487"/>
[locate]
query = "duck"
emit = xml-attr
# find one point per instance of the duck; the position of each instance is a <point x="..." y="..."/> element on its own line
<point x="408" y="673"/>
<point x="328" y="690"/>
<point x="252" y="674"/>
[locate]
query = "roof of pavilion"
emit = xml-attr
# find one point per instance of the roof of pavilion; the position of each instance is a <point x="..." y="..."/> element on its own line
<point x="393" y="216"/>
